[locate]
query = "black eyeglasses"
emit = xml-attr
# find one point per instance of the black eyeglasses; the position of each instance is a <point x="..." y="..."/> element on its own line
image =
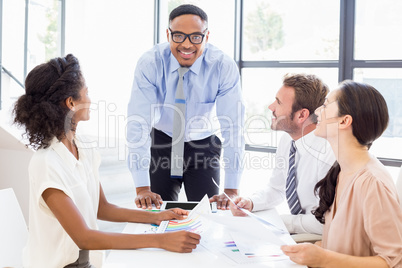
<point x="195" y="38"/>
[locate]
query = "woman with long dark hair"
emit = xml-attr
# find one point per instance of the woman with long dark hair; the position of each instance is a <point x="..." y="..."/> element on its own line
<point x="359" y="205"/>
<point x="66" y="197"/>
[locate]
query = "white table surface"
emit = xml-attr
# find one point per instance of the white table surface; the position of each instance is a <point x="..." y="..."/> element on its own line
<point x="200" y="257"/>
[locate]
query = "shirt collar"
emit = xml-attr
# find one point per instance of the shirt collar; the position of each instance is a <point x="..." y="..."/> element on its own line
<point x="309" y="143"/>
<point x="68" y="158"/>
<point x="195" y="68"/>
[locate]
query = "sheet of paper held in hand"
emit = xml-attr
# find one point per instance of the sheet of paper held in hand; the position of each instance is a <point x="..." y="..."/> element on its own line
<point x="257" y="227"/>
<point x="193" y="222"/>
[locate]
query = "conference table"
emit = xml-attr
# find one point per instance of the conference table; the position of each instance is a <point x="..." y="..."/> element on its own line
<point x="202" y="256"/>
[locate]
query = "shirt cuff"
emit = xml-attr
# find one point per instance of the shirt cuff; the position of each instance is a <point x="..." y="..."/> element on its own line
<point x="288" y="221"/>
<point x="257" y="204"/>
<point x="232" y="179"/>
<point x="302" y="223"/>
<point x="141" y="178"/>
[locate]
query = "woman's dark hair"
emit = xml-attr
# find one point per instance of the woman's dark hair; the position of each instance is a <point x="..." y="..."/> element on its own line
<point x="188" y="9"/>
<point x="369" y="113"/>
<point x="325" y="189"/>
<point x="42" y="109"/>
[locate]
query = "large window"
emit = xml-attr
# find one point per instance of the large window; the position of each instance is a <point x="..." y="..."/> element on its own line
<point x="44" y="32"/>
<point x="277" y="40"/>
<point x="376" y="30"/>
<point x="108" y="37"/>
<point x="264" y="83"/>
<point x="377" y="60"/>
<point x="30" y="36"/>
<point x="278" y="30"/>
<point x="335" y="39"/>
<point x="13" y="37"/>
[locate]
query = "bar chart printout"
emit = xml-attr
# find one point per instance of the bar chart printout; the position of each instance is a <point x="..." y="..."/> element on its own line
<point x="194" y="222"/>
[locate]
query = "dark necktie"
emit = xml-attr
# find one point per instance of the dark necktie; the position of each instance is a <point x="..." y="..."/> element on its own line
<point x="176" y="167"/>
<point x="291" y="193"/>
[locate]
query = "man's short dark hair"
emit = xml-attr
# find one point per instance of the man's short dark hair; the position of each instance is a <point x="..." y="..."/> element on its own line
<point x="310" y="92"/>
<point x="188" y="9"/>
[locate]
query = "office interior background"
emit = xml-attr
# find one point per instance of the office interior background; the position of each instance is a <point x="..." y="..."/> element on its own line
<point x="334" y="39"/>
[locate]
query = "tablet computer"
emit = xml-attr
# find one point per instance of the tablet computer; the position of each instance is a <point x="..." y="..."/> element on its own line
<point x="189" y="205"/>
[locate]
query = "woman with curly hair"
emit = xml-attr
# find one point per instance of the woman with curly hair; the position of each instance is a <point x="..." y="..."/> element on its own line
<point x="359" y="205"/>
<point x="66" y="197"/>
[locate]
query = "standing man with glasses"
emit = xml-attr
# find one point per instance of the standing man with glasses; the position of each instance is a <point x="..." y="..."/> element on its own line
<point x="185" y="94"/>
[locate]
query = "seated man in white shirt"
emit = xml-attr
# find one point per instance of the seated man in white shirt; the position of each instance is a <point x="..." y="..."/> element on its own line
<point x="293" y="112"/>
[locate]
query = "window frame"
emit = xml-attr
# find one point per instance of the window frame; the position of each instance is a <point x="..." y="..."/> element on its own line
<point x="26" y="31"/>
<point x="345" y="64"/>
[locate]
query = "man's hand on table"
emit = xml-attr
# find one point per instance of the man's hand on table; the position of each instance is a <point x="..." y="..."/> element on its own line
<point x="222" y="202"/>
<point x="145" y="198"/>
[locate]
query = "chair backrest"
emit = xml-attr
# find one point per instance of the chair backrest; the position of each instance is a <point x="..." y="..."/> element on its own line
<point x="399" y="186"/>
<point x="13" y="230"/>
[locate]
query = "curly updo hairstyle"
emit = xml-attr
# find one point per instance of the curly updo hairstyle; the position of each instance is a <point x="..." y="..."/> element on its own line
<point x="42" y="109"/>
<point x="369" y="112"/>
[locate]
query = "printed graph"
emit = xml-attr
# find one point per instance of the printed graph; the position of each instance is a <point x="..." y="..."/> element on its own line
<point x="232" y="251"/>
<point x="193" y="224"/>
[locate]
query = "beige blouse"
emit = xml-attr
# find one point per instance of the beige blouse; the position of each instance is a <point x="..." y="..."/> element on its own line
<point x="368" y="219"/>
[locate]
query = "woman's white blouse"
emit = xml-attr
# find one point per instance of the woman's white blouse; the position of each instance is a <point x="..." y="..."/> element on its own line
<point x="55" y="167"/>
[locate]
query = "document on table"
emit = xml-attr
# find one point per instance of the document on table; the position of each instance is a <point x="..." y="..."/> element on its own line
<point x="241" y="239"/>
<point x="248" y="226"/>
<point x="255" y="250"/>
<point x="238" y="244"/>
<point x="256" y="254"/>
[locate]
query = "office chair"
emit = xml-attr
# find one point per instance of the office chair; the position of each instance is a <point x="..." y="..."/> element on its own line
<point x="13" y="230"/>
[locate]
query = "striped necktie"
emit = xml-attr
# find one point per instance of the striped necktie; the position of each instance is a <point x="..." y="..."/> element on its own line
<point x="291" y="193"/>
<point x="176" y="167"/>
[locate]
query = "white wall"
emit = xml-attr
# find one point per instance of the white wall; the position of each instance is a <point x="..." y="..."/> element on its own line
<point x="14" y="160"/>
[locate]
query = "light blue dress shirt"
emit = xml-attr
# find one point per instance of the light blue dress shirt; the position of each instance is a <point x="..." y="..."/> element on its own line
<point x="213" y="106"/>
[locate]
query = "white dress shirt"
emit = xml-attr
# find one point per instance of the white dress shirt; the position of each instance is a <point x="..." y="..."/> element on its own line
<point x="314" y="157"/>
